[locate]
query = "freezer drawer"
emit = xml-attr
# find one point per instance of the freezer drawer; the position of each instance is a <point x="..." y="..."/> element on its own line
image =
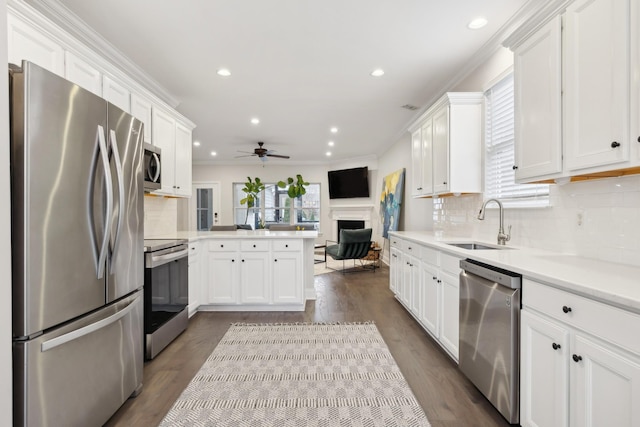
<point x="80" y="373"/>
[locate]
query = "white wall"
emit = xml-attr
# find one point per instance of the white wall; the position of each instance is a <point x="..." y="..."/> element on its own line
<point x="5" y="240"/>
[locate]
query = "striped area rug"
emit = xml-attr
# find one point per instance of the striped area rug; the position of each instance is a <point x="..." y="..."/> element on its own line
<point x="298" y="375"/>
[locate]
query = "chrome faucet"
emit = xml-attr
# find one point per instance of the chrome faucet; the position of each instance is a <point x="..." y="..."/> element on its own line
<point x="502" y="238"/>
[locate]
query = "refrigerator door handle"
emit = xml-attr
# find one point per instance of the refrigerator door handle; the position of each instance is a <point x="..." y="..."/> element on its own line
<point x="86" y="330"/>
<point x="109" y="186"/>
<point x="121" y="198"/>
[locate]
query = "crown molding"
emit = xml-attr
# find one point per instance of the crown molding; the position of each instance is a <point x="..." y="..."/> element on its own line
<point x="542" y="15"/>
<point x="62" y="17"/>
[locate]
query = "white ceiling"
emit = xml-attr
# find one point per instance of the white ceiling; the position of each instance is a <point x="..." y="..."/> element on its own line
<point x="300" y="66"/>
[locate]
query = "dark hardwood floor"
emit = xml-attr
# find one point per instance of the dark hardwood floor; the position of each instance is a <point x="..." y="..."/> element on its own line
<point x="446" y="396"/>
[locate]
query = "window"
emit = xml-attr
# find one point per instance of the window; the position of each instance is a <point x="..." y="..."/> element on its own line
<point x="275" y="207"/>
<point x="499" y="181"/>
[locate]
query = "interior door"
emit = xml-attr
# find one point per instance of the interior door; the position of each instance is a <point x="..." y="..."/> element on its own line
<point x="126" y="261"/>
<point x="56" y="227"/>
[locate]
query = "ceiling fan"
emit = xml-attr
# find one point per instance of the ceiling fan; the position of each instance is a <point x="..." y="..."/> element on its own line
<point x="262" y="153"/>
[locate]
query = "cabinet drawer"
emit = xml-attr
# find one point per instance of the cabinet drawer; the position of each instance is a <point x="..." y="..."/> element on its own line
<point x="412" y="248"/>
<point x="223" y="246"/>
<point x="395" y="242"/>
<point x="610" y="323"/>
<point x="430" y="255"/>
<point x="450" y="263"/>
<point x="287" y="245"/>
<point x="194" y="250"/>
<point x="254" y="245"/>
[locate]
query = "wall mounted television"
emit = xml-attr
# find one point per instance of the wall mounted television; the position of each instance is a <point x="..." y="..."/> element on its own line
<point x="349" y="183"/>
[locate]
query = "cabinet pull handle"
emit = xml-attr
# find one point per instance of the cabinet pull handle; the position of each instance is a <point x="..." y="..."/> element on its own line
<point x="555" y="346"/>
<point x="615" y="144"/>
<point x="566" y="309"/>
<point x="576" y="358"/>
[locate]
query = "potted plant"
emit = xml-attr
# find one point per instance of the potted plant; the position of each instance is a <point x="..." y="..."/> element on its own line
<point x="252" y="189"/>
<point x="296" y="187"/>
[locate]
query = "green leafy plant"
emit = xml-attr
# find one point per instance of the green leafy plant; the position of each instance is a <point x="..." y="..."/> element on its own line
<point x="296" y="186"/>
<point x="252" y="189"/>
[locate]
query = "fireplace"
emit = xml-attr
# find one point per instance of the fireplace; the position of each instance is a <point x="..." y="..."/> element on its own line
<point x="349" y="224"/>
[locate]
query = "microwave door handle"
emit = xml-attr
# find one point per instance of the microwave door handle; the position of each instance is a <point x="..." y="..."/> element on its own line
<point x="156" y="159"/>
<point x="121" y="197"/>
<point x="109" y="186"/>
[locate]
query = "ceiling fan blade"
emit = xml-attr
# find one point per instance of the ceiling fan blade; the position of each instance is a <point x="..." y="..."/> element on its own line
<point x="246" y="155"/>
<point x="247" y="152"/>
<point x="278" y="155"/>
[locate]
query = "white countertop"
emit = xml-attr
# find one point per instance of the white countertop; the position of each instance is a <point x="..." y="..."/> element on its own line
<point x="616" y="284"/>
<point x="237" y="234"/>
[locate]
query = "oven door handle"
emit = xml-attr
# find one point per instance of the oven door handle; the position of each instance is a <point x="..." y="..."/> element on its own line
<point x="158" y="260"/>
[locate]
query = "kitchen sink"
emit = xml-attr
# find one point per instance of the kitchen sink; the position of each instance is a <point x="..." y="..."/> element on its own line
<point x="476" y="246"/>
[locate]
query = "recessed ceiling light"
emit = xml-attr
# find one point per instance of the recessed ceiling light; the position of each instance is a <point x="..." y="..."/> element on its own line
<point x="255" y="121"/>
<point x="330" y="143"/>
<point x="213" y="153"/>
<point x="196" y="144"/>
<point x="223" y="72"/>
<point x="334" y="130"/>
<point x="328" y="153"/>
<point x="477" y="23"/>
<point x="378" y="72"/>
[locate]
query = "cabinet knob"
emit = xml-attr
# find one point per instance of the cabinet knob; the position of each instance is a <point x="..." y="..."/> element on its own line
<point x="514" y="167"/>
<point x="576" y="358"/>
<point x="420" y="188"/>
<point x="566" y="309"/>
<point x="434" y="277"/>
<point x="615" y="144"/>
<point x="444" y="183"/>
<point x="254" y="246"/>
<point x="555" y="346"/>
<point x="639" y="139"/>
<point x="439" y="281"/>
<point x="222" y="246"/>
<point x="233" y="260"/>
<point x="242" y="260"/>
<point x="275" y="260"/>
<point x="286" y="246"/>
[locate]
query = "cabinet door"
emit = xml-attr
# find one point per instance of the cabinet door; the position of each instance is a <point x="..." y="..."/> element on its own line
<point x="415" y="298"/>
<point x="223" y="277"/>
<point x="427" y="157"/>
<point x="405" y="284"/>
<point x="164" y="137"/>
<point x="416" y="163"/>
<point x="538" y="103"/>
<point x="450" y="309"/>
<point x="605" y="385"/>
<point x="596" y="83"/>
<point x="141" y="110"/>
<point x="441" y="150"/>
<point x="544" y="376"/>
<point x="25" y="42"/>
<point x="194" y="277"/>
<point x="430" y="299"/>
<point x="81" y="73"/>
<point x="116" y="94"/>
<point x="183" y="161"/>
<point x="287" y="277"/>
<point x="395" y="269"/>
<point x="254" y="278"/>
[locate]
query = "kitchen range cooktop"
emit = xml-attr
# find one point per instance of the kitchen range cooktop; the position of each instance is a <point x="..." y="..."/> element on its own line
<point x="152" y="245"/>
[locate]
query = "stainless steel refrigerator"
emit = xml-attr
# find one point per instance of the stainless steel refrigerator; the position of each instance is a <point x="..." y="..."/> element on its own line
<point x="77" y="252"/>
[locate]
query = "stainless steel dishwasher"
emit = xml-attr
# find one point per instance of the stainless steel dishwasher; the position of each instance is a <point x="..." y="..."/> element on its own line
<point x="490" y="334"/>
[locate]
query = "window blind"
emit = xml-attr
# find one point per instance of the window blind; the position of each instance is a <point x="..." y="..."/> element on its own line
<point x="499" y="179"/>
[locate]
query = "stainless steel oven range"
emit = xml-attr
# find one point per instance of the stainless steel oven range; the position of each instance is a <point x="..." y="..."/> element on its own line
<point x="490" y="334"/>
<point x="166" y="292"/>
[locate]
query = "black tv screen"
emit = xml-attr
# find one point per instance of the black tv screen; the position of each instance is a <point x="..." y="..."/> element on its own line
<point x="349" y="183"/>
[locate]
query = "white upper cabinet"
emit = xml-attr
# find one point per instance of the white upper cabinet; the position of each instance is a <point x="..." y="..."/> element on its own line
<point x="450" y="154"/>
<point x="538" y="104"/>
<point x="116" y="94"/>
<point x="82" y="73"/>
<point x="416" y="163"/>
<point x="596" y="84"/>
<point x="599" y="50"/>
<point x="141" y="110"/>
<point x="174" y="139"/>
<point x="26" y="42"/>
<point x="183" y="160"/>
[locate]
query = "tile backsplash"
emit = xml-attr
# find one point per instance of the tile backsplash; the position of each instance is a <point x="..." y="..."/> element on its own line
<point x="160" y="216"/>
<point x="597" y="219"/>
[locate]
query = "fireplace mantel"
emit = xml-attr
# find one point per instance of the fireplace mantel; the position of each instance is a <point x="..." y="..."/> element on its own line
<point x="349" y="212"/>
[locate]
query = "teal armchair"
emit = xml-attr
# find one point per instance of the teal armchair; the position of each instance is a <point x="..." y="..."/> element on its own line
<point x="354" y="244"/>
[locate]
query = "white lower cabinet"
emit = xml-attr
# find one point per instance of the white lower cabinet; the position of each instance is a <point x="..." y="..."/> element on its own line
<point x="577" y="370"/>
<point x="259" y="273"/>
<point x="195" y="276"/>
<point x="426" y="283"/>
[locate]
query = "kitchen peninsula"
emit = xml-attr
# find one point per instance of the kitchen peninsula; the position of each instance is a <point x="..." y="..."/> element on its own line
<point x="249" y="270"/>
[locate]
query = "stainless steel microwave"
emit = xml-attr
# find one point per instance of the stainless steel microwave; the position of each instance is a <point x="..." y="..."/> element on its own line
<point x="152" y="170"/>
